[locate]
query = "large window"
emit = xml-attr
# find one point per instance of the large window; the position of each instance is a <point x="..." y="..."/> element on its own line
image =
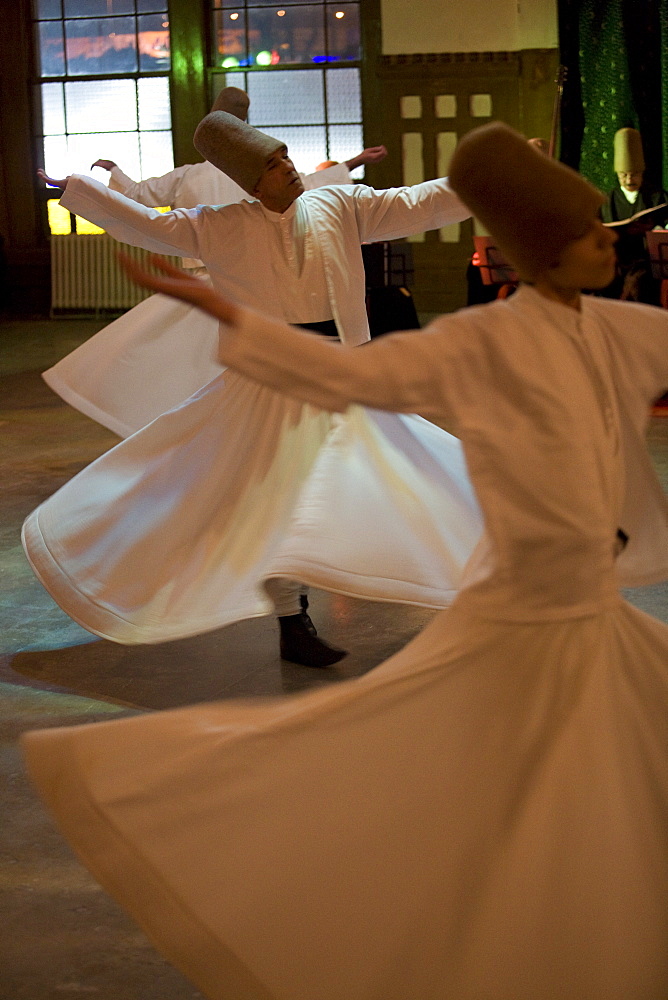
<point x="264" y="33"/>
<point x="300" y="64"/>
<point x="103" y="86"/>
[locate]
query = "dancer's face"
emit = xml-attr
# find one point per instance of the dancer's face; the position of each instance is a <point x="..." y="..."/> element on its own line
<point x="280" y="184"/>
<point x="588" y="262"/>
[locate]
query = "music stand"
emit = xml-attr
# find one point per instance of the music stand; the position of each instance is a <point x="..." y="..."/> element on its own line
<point x="495" y="270"/>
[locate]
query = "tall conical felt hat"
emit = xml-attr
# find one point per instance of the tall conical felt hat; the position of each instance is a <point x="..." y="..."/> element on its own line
<point x="234" y="101"/>
<point x="238" y="149"/>
<point x="533" y="206"/>
<point x="629" y="157"/>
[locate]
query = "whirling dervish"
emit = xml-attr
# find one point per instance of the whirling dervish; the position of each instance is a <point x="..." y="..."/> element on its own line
<point x="204" y="517"/>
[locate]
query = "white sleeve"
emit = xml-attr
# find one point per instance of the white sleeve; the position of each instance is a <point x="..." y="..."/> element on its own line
<point x="119" y="181"/>
<point x="155" y="192"/>
<point x="338" y="174"/>
<point x="400" y="372"/>
<point x="404" y="211"/>
<point x="174" y="232"/>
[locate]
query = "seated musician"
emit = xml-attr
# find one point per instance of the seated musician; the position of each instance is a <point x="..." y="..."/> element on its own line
<point x="632" y="194"/>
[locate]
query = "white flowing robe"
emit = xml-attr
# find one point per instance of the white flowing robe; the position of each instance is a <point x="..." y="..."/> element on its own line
<point x="233" y="242"/>
<point x="120" y="377"/>
<point x="203" y="184"/>
<point x="486" y="813"/>
<point x="174" y="531"/>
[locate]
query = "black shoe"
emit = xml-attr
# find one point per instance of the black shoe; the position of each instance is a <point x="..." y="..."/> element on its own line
<point x="305" y="618"/>
<point x="301" y="644"/>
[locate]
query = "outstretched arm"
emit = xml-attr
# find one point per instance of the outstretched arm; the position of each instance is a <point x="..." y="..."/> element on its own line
<point x="374" y="154"/>
<point x="119" y="181"/>
<point x="397" y="372"/>
<point x="169" y="233"/>
<point x="339" y="173"/>
<point x="403" y="211"/>
<point x="152" y="192"/>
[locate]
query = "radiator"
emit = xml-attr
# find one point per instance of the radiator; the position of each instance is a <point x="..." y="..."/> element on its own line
<point x="85" y="274"/>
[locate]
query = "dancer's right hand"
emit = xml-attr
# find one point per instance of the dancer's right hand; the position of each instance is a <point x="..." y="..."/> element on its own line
<point x="180" y="285"/>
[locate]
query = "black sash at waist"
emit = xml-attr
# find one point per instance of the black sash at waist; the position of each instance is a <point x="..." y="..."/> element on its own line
<point x="327" y="327"/>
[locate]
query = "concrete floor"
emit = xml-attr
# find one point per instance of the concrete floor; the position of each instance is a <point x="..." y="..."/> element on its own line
<point x="61" y="935"/>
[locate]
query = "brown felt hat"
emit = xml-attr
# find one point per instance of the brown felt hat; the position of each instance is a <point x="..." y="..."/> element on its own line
<point x="234" y="101"/>
<point x="629" y="157"/>
<point x="542" y="145"/>
<point x="238" y="149"/>
<point x="533" y="206"/>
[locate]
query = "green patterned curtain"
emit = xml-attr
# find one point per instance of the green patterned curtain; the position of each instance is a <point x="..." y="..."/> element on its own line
<point x="605" y="84"/>
<point x="616" y="54"/>
<point x="663" y="33"/>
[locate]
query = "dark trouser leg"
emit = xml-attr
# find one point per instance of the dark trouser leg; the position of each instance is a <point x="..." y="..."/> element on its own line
<point x="300" y="642"/>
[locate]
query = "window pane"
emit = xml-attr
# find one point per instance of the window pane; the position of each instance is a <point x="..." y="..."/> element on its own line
<point x="153" y="39"/>
<point x="264" y="3"/>
<point x="410" y="106"/>
<point x="307" y="145"/>
<point x="56" y="162"/>
<point x="239" y="80"/>
<point x="229" y="34"/>
<point x="110" y="103"/>
<point x="230" y="5"/>
<point x="98" y="8"/>
<point x="60" y="222"/>
<point x="344" y="98"/>
<point x="108" y="45"/>
<point x="286" y="34"/>
<point x="146" y="6"/>
<point x="84" y="226"/>
<point x="154" y="107"/>
<point x="53" y="109"/>
<point x="157" y="156"/>
<point x="480" y="105"/>
<point x="343" y="31"/>
<point x="286" y="97"/>
<point x="121" y="147"/>
<point x="50" y="50"/>
<point x="42" y="9"/>
<point x="412" y="154"/>
<point x="221" y="80"/>
<point x="83" y="150"/>
<point x="346" y="141"/>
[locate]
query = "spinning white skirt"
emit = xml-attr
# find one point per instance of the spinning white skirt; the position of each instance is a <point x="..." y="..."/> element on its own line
<point x="174" y="531"/>
<point x="144" y="363"/>
<point x="481" y="816"/>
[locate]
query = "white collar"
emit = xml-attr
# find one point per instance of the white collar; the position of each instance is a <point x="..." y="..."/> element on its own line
<point x="631" y="196"/>
<point x="277" y="217"/>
